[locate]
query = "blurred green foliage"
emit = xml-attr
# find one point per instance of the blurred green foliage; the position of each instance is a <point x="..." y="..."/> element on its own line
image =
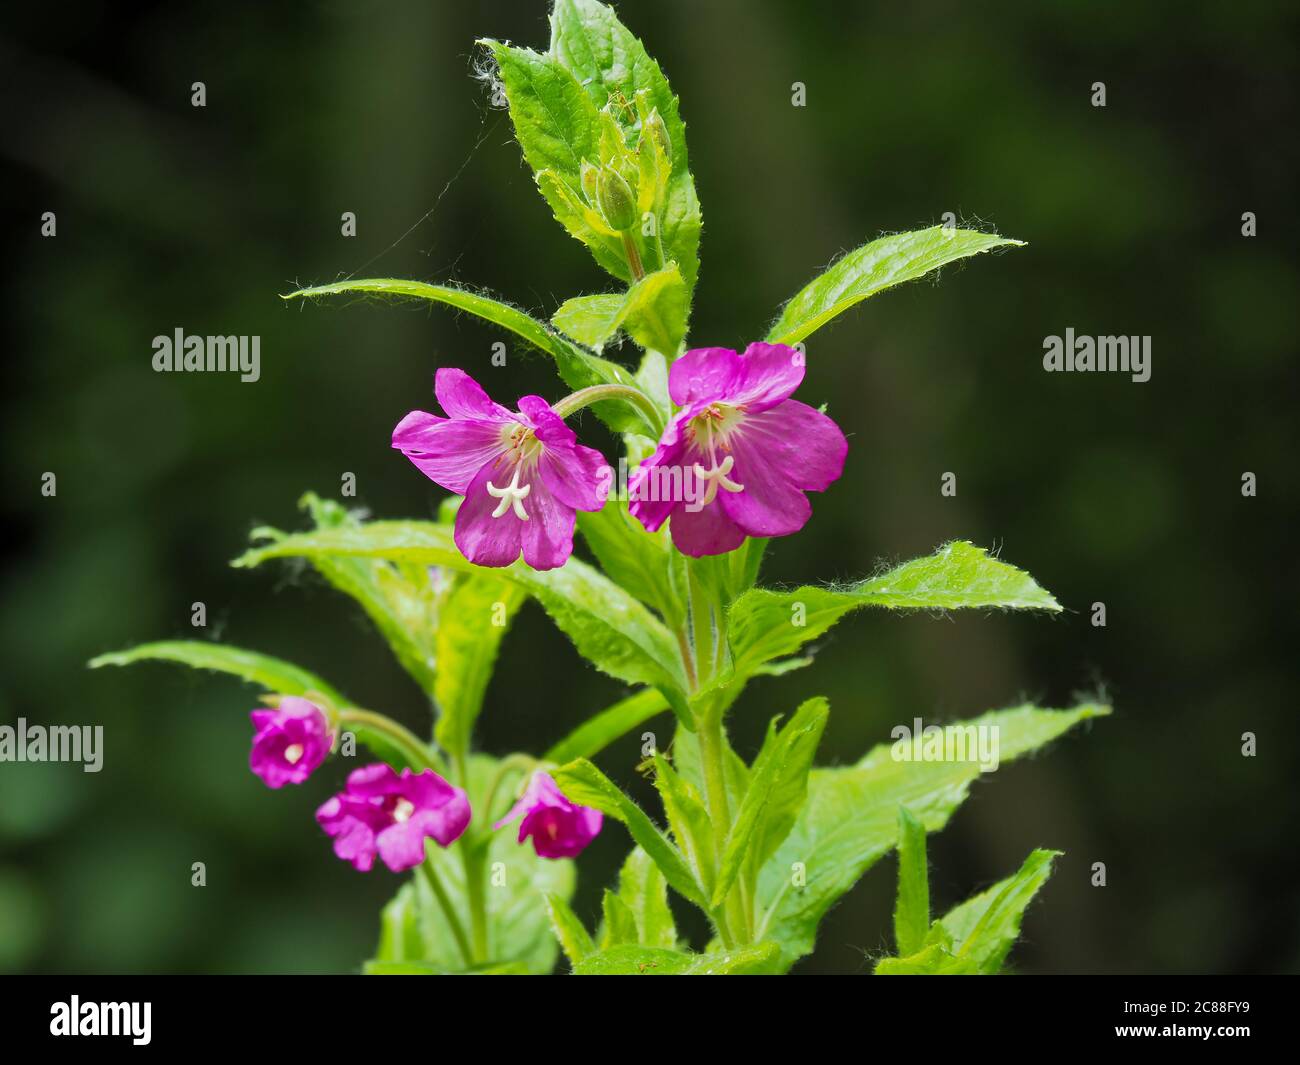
<point x="1104" y="490"/>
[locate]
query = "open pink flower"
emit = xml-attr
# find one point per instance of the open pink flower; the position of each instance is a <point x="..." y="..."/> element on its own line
<point x="523" y="475"/>
<point x="560" y="829"/>
<point x="380" y="812"/>
<point x="741" y="452"/>
<point x="290" y="742"/>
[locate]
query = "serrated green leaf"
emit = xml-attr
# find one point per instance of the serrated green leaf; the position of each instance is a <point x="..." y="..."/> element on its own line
<point x="888" y="261"/>
<point x="689" y="821"/>
<point x="610" y="628"/>
<point x="647" y="961"/>
<point x="403" y="605"/>
<point x="270" y="674"/>
<point x="472" y="621"/>
<point x="778" y="784"/>
<point x="984" y="928"/>
<point x="578" y="368"/>
<point x="414" y="929"/>
<point x="619" y="925"/>
<point x="569" y="932"/>
<point x="912" y="906"/>
<point x="850" y="819"/>
<point x="597" y="733"/>
<point x="653" y="311"/>
<point x="933" y="960"/>
<point x="642" y="888"/>
<point x="765" y="624"/>
<point x="605" y="58"/>
<point x="586" y="785"/>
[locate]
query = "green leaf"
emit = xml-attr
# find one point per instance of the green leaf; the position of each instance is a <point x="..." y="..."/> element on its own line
<point x="689" y="821"/>
<point x="402" y="604"/>
<point x="984" y="928"/>
<point x="619" y="924"/>
<point x="647" y="961"/>
<point x="850" y="820"/>
<point x="641" y="886"/>
<point x="586" y="785"/>
<point x="635" y="559"/>
<point x="931" y="961"/>
<point x="608" y="627"/>
<point x="597" y="733"/>
<point x="912" y="908"/>
<point x="270" y="674"/>
<point x="577" y="367"/>
<point x="653" y="311"/>
<point x="569" y="931"/>
<point x="471" y="624"/>
<point x="414" y="929"/>
<point x="605" y="58"/>
<point x="765" y="624"/>
<point x="872" y="268"/>
<point x="778" y="785"/>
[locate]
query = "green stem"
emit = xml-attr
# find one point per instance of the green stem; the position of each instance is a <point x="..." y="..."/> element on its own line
<point x="448" y="910"/>
<point x="416" y="752"/>
<point x="472" y="847"/>
<point x="596" y="393"/>
<point x="633" y="256"/>
<point x="712" y="755"/>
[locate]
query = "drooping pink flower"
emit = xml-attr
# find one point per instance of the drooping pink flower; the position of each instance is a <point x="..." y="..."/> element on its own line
<point x="741" y="452"/>
<point x="380" y="812"/>
<point x="289" y="742"/>
<point x="523" y="475"/>
<point x="560" y="828"/>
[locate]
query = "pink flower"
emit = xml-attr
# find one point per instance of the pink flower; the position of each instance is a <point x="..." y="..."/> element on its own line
<point x="560" y="829"/>
<point x="290" y="742"/>
<point x="522" y="475"/>
<point x="382" y="813"/>
<point x="741" y="451"/>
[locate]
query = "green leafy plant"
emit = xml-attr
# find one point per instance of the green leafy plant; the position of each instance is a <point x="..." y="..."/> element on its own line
<point x="668" y="604"/>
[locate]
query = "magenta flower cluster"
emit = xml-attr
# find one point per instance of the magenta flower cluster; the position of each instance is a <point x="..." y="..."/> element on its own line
<point x="741" y="453"/>
<point x="384" y="814"/>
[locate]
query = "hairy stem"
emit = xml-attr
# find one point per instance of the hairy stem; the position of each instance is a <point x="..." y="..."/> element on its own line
<point x="417" y="753"/>
<point x="597" y="393"/>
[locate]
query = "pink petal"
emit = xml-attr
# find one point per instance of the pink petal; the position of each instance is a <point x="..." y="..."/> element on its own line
<point x="547" y="535"/>
<point x="401" y="846"/>
<point x="447" y="822"/>
<point x="481" y="538"/>
<point x="463" y="397"/>
<point x="671" y="453"/>
<point x="449" y="453"/>
<point x="372" y="781"/>
<point x="770" y="373"/>
<point x="768" y="505"/>
<point x="548" y="426"/>
<point x="806" y="445"/>
<point x="577" y="477"/>
<point x="708" y="531"/>
<point x="702" y="375"/>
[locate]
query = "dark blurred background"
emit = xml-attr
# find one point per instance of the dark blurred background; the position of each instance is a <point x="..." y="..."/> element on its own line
<point x="1104" y="489"/>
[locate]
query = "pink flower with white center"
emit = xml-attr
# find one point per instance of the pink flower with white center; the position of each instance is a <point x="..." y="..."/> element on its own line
<point x="382" y="813"/>
<point x="289" y="742"/>
<point x="560" y="828"/>
<point x="523" y="475"/>
<point x="743" y="453"/>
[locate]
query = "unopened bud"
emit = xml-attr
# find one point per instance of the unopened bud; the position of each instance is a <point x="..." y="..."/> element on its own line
<point x="615" y="199"/>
